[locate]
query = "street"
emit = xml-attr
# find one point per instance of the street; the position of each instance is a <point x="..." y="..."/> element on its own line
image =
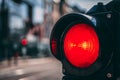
<point x="59" y="39"/>
<point x="33" y="69"/>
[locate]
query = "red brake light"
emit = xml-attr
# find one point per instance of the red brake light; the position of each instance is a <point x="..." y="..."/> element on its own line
<point x="81" y="45"/>
<point x="24" y="42"/>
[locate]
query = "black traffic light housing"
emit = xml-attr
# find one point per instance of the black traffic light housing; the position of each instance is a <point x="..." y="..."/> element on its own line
<point x="103" y="20"/>
<point x="114" y="6"/>
<point x="18" y="1"/>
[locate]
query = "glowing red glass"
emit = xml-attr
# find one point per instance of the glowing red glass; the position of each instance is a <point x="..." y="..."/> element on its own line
<point x="24" y="42"/>
<point x="54" y="46"/>
<point x="81" y="45"/>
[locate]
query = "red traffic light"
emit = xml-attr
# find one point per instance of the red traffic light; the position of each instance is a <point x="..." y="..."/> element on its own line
<point x="24" y="42"/>
<point x="81" y="45"/>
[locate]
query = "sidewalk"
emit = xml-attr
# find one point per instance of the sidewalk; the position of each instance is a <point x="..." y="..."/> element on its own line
<point x="24" y="63"/>
<point x="47" y="68"/>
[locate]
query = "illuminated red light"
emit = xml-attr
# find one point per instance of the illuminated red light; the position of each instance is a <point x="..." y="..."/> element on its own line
<point x="81" y="45"/>
<point x="54" y="46"/>
<point x="24" y="42"/>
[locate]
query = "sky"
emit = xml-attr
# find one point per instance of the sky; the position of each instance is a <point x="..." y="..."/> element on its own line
<point x="88" y="3"/>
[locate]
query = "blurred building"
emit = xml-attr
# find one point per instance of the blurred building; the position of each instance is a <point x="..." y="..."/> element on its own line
<point x="35" y="18"/>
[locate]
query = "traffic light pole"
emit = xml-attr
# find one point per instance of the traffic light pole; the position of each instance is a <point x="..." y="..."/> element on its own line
<point x="4" y="19"/>
<point x="4" y="27"/>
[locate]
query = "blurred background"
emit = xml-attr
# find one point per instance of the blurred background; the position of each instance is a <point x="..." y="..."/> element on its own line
<point x="25" y="27"/>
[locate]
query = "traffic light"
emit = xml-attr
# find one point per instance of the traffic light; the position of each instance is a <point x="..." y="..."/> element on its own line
<point x="85" y="44"/>
<point x="24" y="42"/>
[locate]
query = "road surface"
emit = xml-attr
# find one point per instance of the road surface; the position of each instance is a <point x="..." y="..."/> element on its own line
<point x="33" y="69"/>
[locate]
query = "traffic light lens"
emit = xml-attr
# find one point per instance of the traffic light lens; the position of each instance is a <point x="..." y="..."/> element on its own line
<point x="81" y="45"/>
<point x="24" y="42"/>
